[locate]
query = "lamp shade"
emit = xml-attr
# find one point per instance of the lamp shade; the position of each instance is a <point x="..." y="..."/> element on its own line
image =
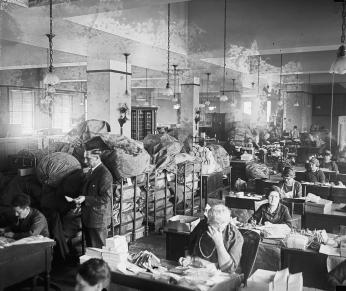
<point x="51" y="79"/>
<point x="168" y="90"/>
<point x="176" y="106"/>
<point x="339" y="65"/>
<point x="223" y="98"/>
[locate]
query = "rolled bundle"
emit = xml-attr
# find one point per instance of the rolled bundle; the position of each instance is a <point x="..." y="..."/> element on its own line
<point x="53" y="168"/>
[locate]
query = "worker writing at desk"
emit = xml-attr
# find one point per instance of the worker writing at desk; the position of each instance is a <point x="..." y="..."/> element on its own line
<point x="26" y="221"/>
<point x="273" y="211"/>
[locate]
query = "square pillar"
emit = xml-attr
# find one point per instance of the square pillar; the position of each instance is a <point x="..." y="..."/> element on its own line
<point x="189" y="105"/>
<point x="106" y="85"/>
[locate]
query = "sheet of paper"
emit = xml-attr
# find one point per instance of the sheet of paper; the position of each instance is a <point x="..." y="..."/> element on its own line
<point x="330" y="251"/>
<point x="68" y="199"/>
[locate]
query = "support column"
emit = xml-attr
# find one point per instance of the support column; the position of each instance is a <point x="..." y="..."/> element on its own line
<point x="106" y="92"/>
<point x="189" y="105"/>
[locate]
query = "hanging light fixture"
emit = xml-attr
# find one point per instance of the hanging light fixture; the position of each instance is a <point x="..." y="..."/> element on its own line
<point x="168" y="90"/>
<point x="258" y="76"/>
<point x="281" y="101"/>
<point x="207" y="102"/>
<point x="233" y="104"/>
<point x="175" y="99"/>
<point x="176" y="104"/>
<point x="126" y="73"/>
<point x="308" y="103"/>
<point x="50" y="79"/>
<point x="296" y="104"/>
<point x="223" y="97"/>
<point x="339" y="65"/>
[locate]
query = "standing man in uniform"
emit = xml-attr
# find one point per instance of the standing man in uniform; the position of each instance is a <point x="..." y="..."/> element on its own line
<point x="96" y="200"/>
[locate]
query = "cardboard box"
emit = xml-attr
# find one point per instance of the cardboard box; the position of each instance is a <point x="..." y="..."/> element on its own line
<point x="263" y="280"/>
<point x="322" y="207"/>
<point x="182" y="223"/>
<point x="343" y="248"/>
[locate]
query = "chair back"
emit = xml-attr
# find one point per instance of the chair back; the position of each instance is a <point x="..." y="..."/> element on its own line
<point x="249" y="252"/>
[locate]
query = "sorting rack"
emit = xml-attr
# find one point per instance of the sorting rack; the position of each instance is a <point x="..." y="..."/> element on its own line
<point x="150" y="182"/>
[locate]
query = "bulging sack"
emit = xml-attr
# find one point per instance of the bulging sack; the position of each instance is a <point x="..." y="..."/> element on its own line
<point x="53" y="168"/>
<point x="125" y="158"/>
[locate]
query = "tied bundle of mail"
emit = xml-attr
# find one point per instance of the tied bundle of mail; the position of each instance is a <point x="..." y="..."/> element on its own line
<point x="146" y="260"/>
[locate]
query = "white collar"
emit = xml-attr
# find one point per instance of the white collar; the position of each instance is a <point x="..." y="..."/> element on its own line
<point x="93" y="169"/>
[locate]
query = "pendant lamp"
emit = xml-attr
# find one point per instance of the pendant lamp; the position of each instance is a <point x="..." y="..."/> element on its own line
<point x="50" y="79"/>
<point x="296" y="104"/>
<point x="168" y="90"/>
<point x="339" y="65"/>
<point x="126" y="73"/>
<point x="223" y="97"/>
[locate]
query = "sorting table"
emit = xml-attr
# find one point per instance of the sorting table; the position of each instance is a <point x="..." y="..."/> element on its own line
<point x="21" y="262"/>
<point x="329" y="221"/>
<point x="147" y="283"/>
<point x="246" y="202"/>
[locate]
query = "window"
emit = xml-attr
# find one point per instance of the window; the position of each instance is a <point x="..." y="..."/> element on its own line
<point x="21" y="109"/>
<point x="247" y="107"/>
<point x="62" y="112"/>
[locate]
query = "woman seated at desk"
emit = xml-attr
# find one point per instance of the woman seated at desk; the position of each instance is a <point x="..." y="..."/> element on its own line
<point x="217" y="240"/>
<point x="273" y="211"/>
<point x="313" y="173"/>
<point x="289" y="188"/>
<point x="327" y="162"/>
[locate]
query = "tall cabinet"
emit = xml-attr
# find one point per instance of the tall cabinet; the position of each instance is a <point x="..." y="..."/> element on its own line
<point x="143" y="121"/>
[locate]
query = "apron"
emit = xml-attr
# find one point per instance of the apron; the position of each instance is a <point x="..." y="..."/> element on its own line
<point x="289" y="194"/>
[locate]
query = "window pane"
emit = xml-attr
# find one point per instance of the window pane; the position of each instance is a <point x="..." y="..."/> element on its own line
<point x="247" y="107"/>
<point x="21" y="108"/>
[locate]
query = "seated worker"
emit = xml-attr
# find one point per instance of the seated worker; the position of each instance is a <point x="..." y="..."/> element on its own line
<point x="273" y="211"/>
<point x="327" y="162"/>
<point x="289" y="188"/>
<point x="216" y="240"/>
<point x="313" y="173"/>
<point x="93" y="275"/>
<point x="27" y="221"/>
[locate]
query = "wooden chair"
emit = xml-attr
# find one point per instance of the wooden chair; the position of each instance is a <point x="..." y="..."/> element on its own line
<point x="249" y="252"/>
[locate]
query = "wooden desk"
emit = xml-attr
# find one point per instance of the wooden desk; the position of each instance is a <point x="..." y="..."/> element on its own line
<point x="312" y="264"/>
<point x="147" y="283"/>
<point x="263" y="185"/>
<point x="330" y="221"/>
<point x="244" y="202"/>
<point x="21" y="262"/>
<point x="321" y="190"/>
<point x="331" y="176"/>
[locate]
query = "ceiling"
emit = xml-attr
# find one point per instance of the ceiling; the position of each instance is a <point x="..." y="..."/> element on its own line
<point x="303" y="35"/>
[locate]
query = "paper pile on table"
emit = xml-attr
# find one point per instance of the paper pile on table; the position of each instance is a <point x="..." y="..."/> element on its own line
<point x="263" y="280"/>
<point x="115" y="253"/>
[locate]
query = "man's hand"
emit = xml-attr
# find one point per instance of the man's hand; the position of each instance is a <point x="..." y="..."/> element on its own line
<point x="216" y="235"/>
<point x="9" y="234"/>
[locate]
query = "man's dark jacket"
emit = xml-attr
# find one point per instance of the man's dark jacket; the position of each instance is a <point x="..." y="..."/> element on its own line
<point x="96" y="210"/>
